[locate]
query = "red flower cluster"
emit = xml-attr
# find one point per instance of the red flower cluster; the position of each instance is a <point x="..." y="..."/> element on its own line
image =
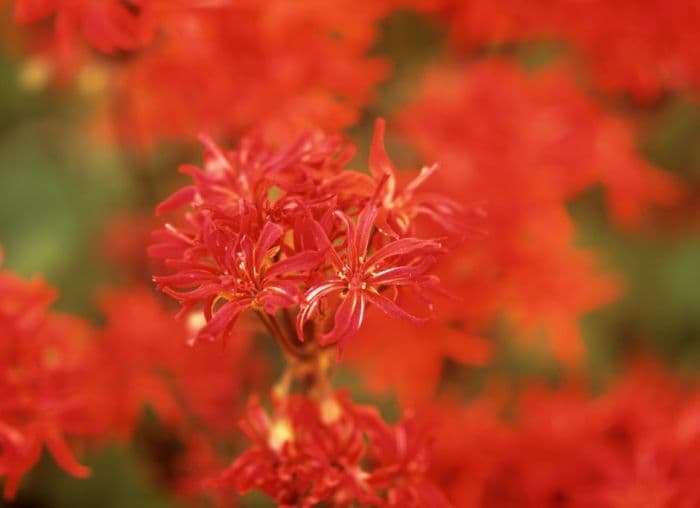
<point x="289" y="65"/>
<point x="45" y="359"/>
<point x="538" y="138"/>
<point x="537" y="143"/>
<point x="308" y="245"/>
<point x="635" y="445"/>
<point x="333" y="451"/>
<point x="644" y="50"/>
<point x="290" y="231"/>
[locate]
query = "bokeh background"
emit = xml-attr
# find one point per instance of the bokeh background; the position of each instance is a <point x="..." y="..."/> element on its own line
<point x="63" y="195"/>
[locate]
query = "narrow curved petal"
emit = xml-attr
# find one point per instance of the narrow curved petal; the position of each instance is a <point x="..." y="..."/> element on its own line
<point x="365" y="223"/>
<point x="63" y="455"/>
<point x="223" y="320"/>
<point x="312" y="298"/>
<point x="323" y="243"/>
<point x="350" y="238"/>
<point x="177" y="199"/>
<point x="401" y="247"/>
<point x="348" y="319"/>
<point x="282" y="294"/>
<point x="379" y="162"/>
<point x="298" y="263"/>
<point x="412" y="274"/>
<point x="391" y="309"/>
<point x="269" y="236"/>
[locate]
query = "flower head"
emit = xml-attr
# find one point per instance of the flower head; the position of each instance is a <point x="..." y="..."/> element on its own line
<point x="44" y="361"/>
<point x="359" y="277"/>
<point x="291" y="231"/>
<point x="301" y="456"/>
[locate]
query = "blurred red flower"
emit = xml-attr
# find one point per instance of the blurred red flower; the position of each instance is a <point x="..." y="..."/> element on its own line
<point x="634" y="445"/>
<point x="309" y="452"/>
<point x="643" y="50"/>
<point x="520" y="146"/>
<point x="45" y="359"/>
<point x="198" y="393"/>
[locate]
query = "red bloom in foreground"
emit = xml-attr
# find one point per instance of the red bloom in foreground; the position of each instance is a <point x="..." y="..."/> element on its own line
<point x="282" y="232"/>
<point x="45" y="360"/>
<point x="359" y="277"/>
<point x="333" y="452"/>
<point x="250" y="279"/>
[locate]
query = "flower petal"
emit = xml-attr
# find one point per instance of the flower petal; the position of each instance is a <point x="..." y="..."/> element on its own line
<point x="348" y="319"/>
<point x="391" y="309"/>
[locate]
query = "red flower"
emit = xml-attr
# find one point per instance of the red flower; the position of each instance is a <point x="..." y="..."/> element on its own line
<point x="299" y="65"/>
<point x="234" y="252"/>
<point x="538" y="143"/>
<point x="262" y="234"/>
<point x="359" y="276"/>
<point x="281" y="232"/>
<point x="644" y="49"/>
<point x="635" y="445"/>
<point x="108" y="25"/>
<point x="279" y="85"/>
<point x="416" y="377"/>
<point x="198" y="394"/>
<point x="399" y="209"/>
<point x="334" y="452"/>
<point x="246" y="275"/>
<point x="540" y="140"/>
<point x="44" y="362"/>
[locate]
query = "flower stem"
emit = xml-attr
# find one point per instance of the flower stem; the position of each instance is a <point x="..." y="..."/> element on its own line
<point x="282" y="338"/>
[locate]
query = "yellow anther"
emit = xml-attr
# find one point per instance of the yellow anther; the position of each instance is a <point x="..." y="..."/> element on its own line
<point x="34" y="75"/>
<point x="195" y="321"/>
<point x="330" y="410"/>
<point x="92" y="79"/>
<point x="280" y="433"/>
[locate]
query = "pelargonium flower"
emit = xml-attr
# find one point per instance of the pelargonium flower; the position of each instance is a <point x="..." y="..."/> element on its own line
<point x="45" y="359"/>
<point x="333" y="451"/>
<point x="287" y="231"/>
